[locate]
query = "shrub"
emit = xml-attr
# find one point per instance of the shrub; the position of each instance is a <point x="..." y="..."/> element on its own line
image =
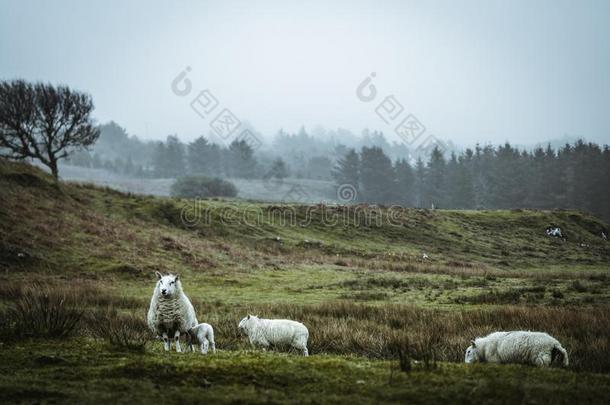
<point x="201" y="187"/>
<point x="400" y="349"/>
<point x="40" y="311"/>
<point x="126" y="331"/>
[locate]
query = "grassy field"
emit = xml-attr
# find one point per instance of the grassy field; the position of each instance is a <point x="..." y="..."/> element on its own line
<point x="385" y="324"/>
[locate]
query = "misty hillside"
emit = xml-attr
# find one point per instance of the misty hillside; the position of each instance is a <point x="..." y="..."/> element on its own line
<point x="289" y="189"/>
<point x="87" y="229"/>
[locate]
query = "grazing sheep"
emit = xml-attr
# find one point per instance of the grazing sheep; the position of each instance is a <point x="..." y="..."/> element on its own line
<point x="524" y="347"/>
<point x="265" y="332"/>
<point x="170" y="313"/>
<point x="203" y="334"/>
<point x="554" y="231"/>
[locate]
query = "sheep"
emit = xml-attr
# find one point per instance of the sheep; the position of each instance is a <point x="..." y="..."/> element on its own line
<point x="170" y="312"/>
<point x="523" y="347"/>
<point x="204" y="335"/>
<point x="554" y="231"/>
<point x="265" y="332"/>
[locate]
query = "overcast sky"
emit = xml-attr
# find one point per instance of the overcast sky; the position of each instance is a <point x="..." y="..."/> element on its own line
<point x="486" y="71"/>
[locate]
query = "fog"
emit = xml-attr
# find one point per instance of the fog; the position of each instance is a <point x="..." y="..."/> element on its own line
<point x="473" y="71"/>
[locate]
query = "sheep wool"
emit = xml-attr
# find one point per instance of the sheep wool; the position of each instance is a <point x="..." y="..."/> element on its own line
<point x="522" y="347"/>
<point x="266" y="332"/>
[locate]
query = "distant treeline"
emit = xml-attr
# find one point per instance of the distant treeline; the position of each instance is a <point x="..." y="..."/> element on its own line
<point x="573" y="176"/>
<point x="300" y="155"/>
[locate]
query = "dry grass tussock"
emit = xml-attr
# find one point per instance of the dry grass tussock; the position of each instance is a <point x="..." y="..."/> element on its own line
<point x="58" y="310"/>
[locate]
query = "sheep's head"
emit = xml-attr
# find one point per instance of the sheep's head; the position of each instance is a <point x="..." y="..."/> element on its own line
<point x="168" y="285"/>
<point x="472" y="353"/>
<point x="246" y="323"/>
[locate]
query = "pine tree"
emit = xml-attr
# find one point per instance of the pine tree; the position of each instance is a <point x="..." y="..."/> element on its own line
<point x="168" y="160"/>
<point x="434" y="180"/>
<point x="279" y="170"/>
<point x="174" y="152"/>
<point x="159" y="163"/>
<point x="482" y="176"/>
<point x="377" y="176"/>
<point x="347" y="170"/>
<point x="405" y="183"/>
<point x="507" y="178"/>
<point x="203" y="157"/>
<point x="242" y="161"/>
<point x="420" y="183"/>
<point x="463" y="196"/>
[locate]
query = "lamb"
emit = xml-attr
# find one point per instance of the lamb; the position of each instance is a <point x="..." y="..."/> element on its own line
<point x="523" y="347"/>
<point x="266" y="332"/>
<point x="170" y="312"/>
<point x="203" y="334"/>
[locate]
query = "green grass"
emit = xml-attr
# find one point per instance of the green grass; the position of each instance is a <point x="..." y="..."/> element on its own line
<point x="487" y="270"/>
<point x="84" y="371"/>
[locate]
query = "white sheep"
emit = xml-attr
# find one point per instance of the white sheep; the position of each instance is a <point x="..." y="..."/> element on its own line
<point x="554" y="231"/>
<point x="265" y="332"/>
<point x="523" y="347"/>
<point x="170" y="313"/>
<point x="203" y="334"/>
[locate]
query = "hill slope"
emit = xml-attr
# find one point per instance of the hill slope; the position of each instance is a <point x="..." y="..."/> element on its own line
<point x="354" y="275"/>
<point x="38" y="216"/>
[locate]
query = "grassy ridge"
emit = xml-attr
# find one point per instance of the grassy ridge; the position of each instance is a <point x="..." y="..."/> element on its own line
<point x="360" y="285"/>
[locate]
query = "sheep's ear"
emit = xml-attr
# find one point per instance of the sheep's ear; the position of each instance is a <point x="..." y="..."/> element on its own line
<point x="248" y="316"/>
<point x="177" y="277"/>
<point x="473" y="343"/>
<point x="159" y="275"/>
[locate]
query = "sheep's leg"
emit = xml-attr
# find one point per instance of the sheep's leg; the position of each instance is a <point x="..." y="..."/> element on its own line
<point x="301" y="344"/>
<point x="253" y="344"/>
<point x="212" y="343"/>
<point x="303" y="348"/>
<point x="166" y="343"/>
<point x="263" y="343"/>
<point x="204" y="346"/>
<point x="177" y="340"/>
<point x="190" y="342"/>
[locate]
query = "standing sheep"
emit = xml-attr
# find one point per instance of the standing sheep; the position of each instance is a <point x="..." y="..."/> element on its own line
<point x="523" y="347"/>
<point x="170" y="313"/>
<point x="204" y="335"/>
<point x="265" y="332"/>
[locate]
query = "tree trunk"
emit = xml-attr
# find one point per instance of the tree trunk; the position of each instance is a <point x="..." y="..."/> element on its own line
<point x="54" y="170"/>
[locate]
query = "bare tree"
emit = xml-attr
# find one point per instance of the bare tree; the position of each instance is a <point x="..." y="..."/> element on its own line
<point x="44" y="122"/>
